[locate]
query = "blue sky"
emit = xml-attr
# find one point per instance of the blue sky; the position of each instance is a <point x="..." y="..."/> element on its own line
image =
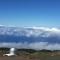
<point x="30" y="13"/>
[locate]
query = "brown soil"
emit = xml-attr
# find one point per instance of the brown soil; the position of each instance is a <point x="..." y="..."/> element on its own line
<point x="16" y="58"/>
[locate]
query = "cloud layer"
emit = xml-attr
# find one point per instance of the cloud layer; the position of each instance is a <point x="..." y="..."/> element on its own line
<point x="33" y="37"/>
<point x="36" y="45"/>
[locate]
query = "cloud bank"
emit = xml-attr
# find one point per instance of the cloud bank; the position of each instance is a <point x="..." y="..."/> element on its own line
<point x="36" y="45"/>
<point x="42" y="37"/>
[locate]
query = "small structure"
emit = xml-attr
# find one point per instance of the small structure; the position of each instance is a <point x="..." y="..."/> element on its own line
<point x="12" y="52"/>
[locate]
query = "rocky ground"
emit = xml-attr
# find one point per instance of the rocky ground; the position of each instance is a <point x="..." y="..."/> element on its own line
<point x="35" y="56"/>
<point x="27" y="54"/>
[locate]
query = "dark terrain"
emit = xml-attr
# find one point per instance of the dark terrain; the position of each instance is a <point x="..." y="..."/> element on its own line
<point x="29" y="54"/>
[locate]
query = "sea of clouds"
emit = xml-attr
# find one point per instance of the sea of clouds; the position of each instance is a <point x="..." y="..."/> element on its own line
<point x="51" y="35"/>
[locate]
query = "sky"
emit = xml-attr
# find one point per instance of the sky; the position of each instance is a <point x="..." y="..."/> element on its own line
<point x="22" y="13"/>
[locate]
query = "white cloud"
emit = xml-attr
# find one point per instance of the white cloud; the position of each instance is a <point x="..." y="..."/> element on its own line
<point x="36" y="45"/>
<point x="32" y="31"/>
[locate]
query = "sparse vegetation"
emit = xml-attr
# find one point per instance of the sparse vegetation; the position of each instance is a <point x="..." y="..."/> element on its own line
<point x="29" y="54"/>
